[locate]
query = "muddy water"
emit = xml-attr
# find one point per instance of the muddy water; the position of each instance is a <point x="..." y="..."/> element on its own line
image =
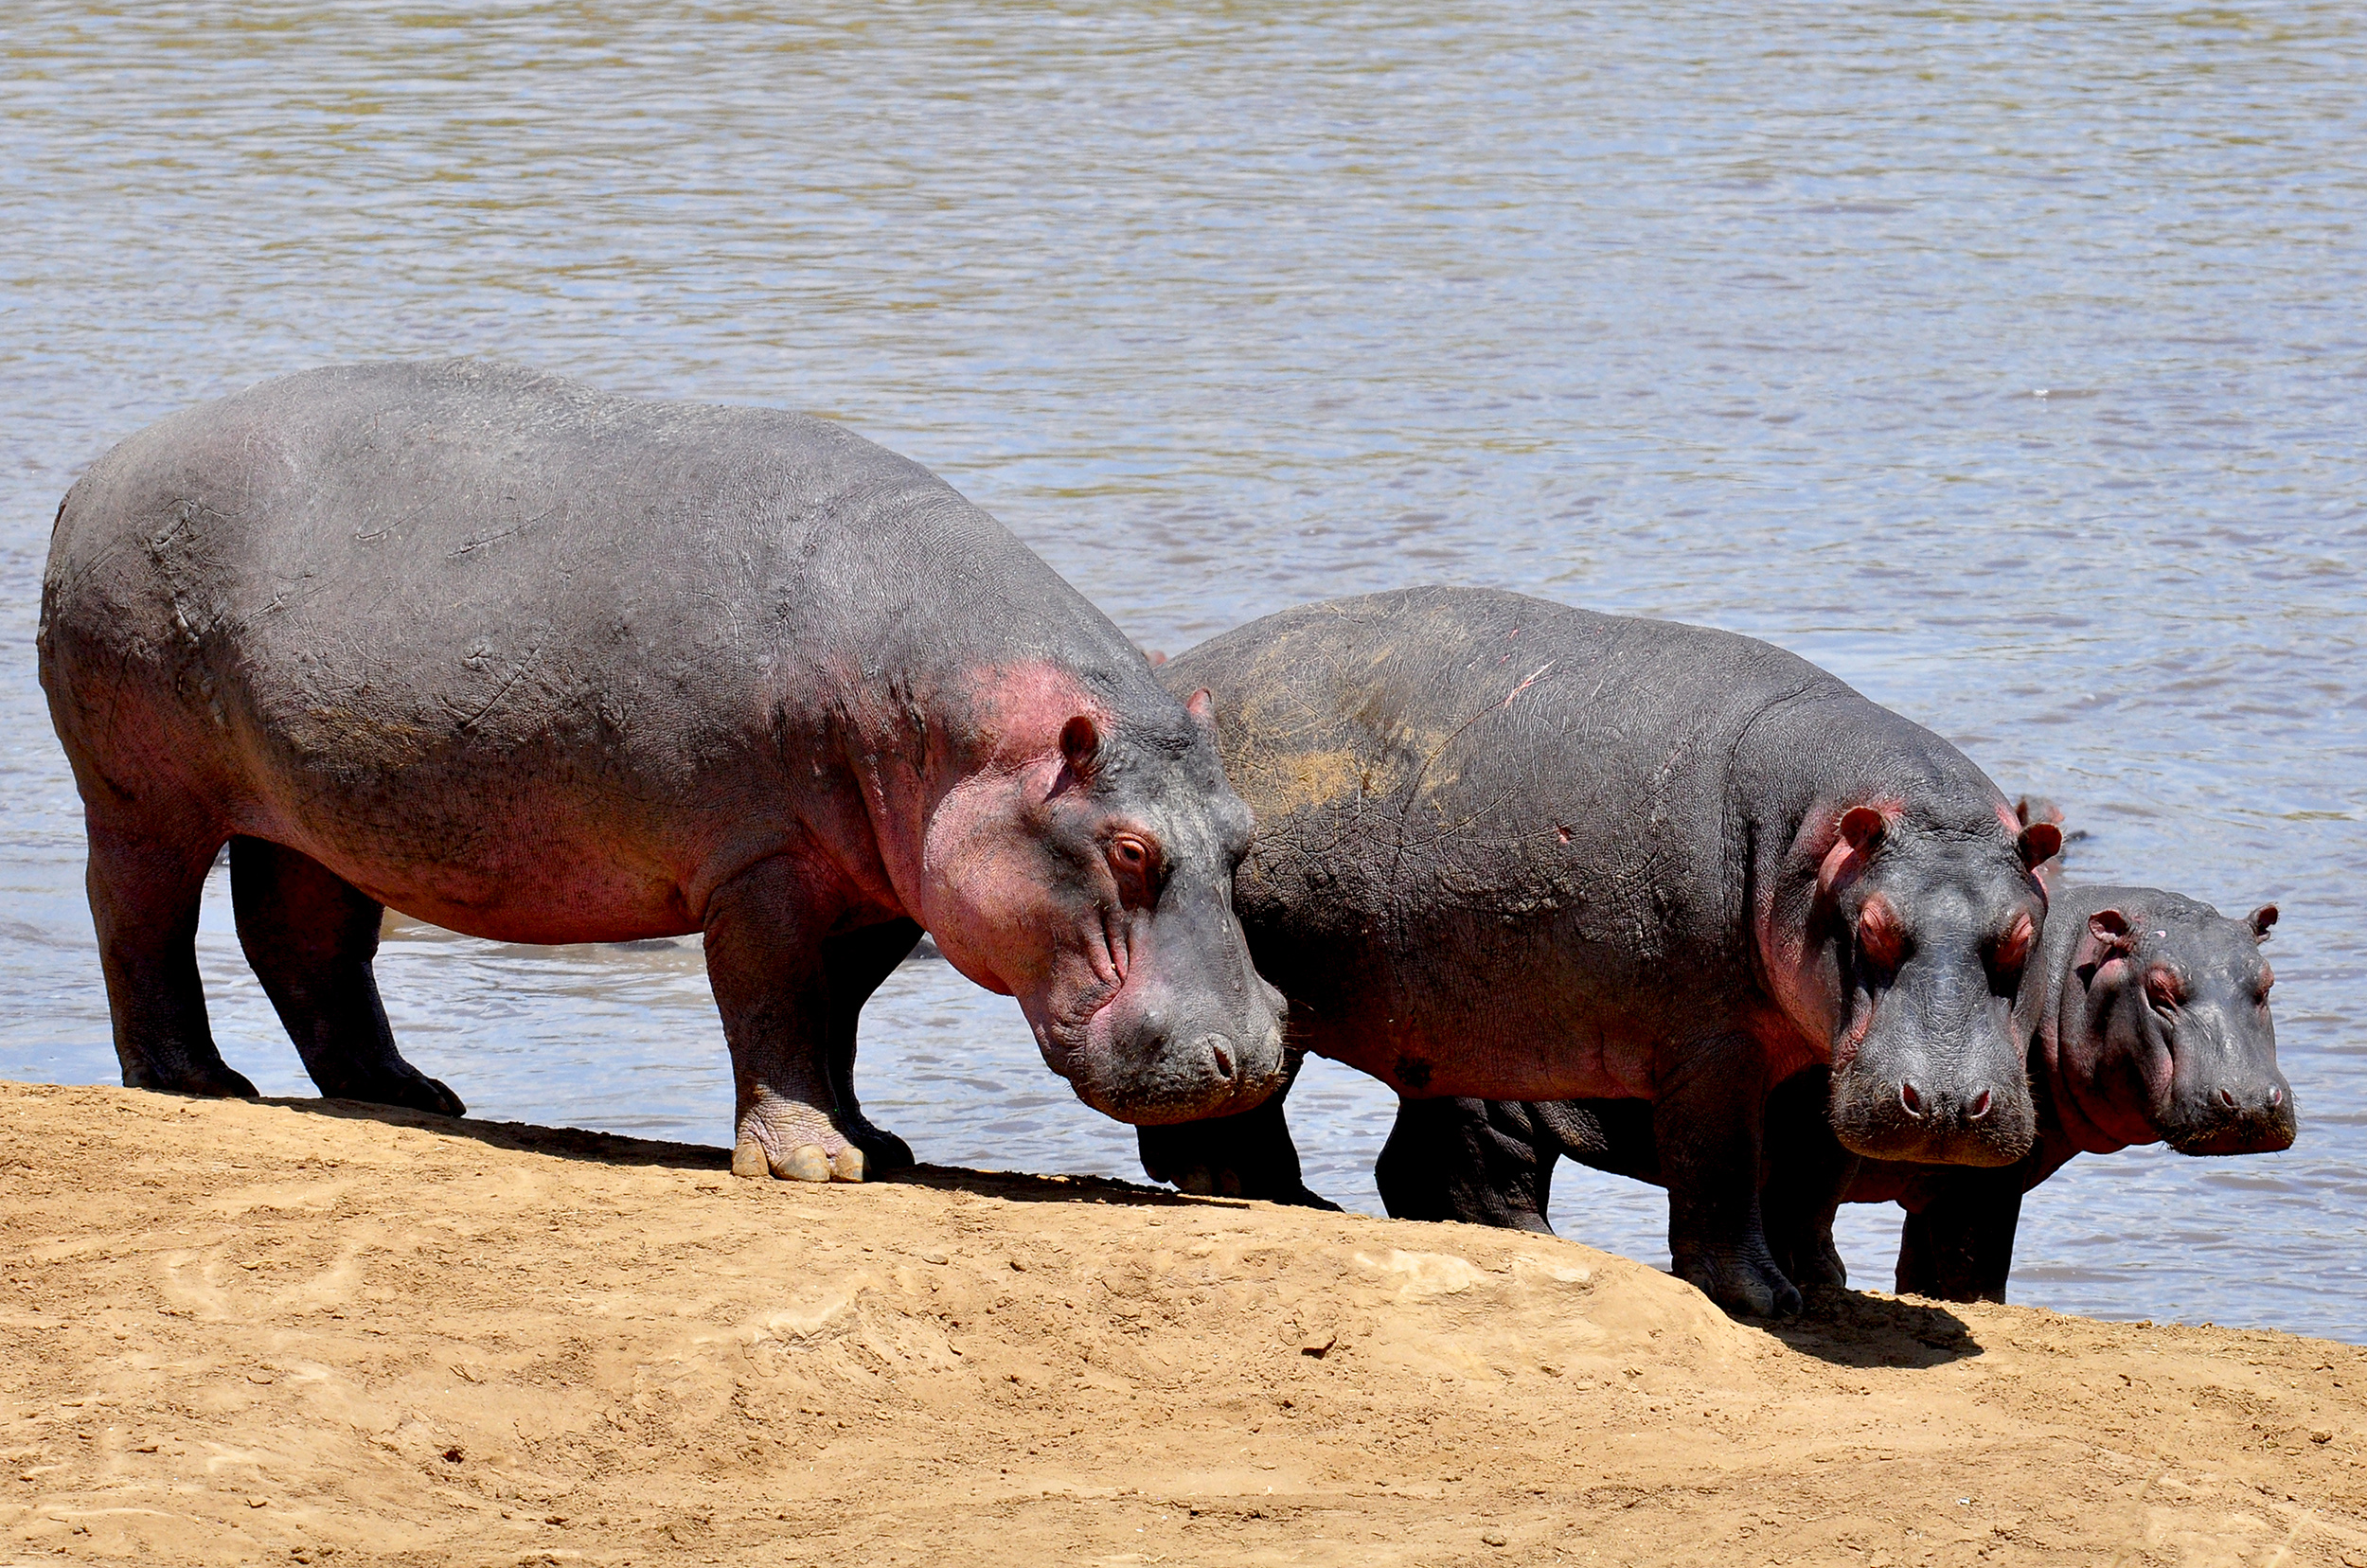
<point x="2008" y="361"/>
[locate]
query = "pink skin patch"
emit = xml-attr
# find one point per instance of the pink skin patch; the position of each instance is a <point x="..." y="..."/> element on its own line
<point x="977" y="874"/>
<point x="1804" y="985"/>
<point x="2089" y="1117"/>
<point x="2013" y="949"/>
<point x="2094" y="1116"/>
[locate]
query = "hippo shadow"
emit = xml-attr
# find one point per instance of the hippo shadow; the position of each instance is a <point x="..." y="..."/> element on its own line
<point x="618" y="1148"/>
<point x="1851" y="1329"/>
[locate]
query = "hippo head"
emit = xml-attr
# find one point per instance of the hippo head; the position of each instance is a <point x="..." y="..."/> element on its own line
<point x="1927" y="927"/>
<point x="2167" y="1034"/>
<point x="1093" y="882"/>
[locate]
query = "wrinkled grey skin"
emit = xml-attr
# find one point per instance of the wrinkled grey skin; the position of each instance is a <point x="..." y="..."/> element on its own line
<point x="544" y="665"/>
<point x="2115" y="1059"/>
<point x="1504" y="841"/>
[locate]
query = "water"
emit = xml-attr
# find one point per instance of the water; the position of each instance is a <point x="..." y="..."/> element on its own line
<point x="2008" y="361"/>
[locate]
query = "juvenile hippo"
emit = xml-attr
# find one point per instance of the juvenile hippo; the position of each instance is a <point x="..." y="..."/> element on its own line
<point x="544" y="665"/>
<point x="2147" y="1017"/>
<point x="1504" y="841"/>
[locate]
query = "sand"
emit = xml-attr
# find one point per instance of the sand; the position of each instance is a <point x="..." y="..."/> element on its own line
<point x="305" y="1331"/>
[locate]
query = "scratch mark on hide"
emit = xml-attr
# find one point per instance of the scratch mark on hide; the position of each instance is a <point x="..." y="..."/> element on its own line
<point x="1535" y="676"/>
<point x="506" y="533"/>
<point x="503" y="691"/>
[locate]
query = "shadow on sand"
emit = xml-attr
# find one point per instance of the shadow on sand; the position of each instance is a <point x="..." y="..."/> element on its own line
<point x="1851" y="1329"/>
<point x="1843" y="1327"/>
<point x="569" y="1143"/>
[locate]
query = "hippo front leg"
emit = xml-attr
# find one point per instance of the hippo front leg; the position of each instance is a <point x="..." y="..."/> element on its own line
<point x="856" y="963"/>
<point x="1707" y="1125"/>
<point x="1960" y="1245"/>
<point x="1808" y="1174"/>
<point x="1249" y="1155"/>
<point x="766" y="964"/>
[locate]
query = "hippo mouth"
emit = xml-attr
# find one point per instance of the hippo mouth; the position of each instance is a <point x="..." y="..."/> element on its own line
<point x="1135" y="1064"/>
<point x="2229" y="1126"/>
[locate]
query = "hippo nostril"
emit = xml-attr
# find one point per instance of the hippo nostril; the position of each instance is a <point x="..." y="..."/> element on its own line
<point x="1979" y="1107"/>
<point x="2228" y="1100"/>
<point x="2276" y="1097"/>
<point x="1910" y="1100"/>
<point x="1223" y="1056"/>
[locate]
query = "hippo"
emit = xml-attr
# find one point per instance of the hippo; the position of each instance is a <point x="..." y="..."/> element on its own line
<point x="2148" y="1019"/>
<point x="541" y="664"/>
<point x="1501" y="840"/>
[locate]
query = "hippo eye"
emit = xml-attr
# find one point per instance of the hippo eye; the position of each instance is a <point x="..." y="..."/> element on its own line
<point x="2011" y="952"/>
<point x="1879" y="937"/>
<point x="2267" y="978"/>
<point x="2163" y="991"/>
<point x="1134" y="861"/>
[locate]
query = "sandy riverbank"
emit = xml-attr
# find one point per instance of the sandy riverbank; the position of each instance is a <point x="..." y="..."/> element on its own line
<point x="298" y="1331"/>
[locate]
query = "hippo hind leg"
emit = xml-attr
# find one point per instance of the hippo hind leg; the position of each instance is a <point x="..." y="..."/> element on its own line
<point x="1960" y="1245"/>
<point x="856" y="964"/>
<point x="1483" y="1162"/>
<point x="144" y="893"/>
<point x="312" y="937"/>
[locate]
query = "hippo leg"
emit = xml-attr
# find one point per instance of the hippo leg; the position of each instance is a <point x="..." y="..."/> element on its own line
<point x="1706" y="1126"/>
<point x="1483" y="1162"/>
<point x="1809" y="1175"/>
<point x="312" y="937"/>
<point x="857" y="962"/>
<point x="1960" y="1245"/>
<point x="1249" y="1155"/>
<point x="765" y="964"/>
<point x="144" y="896"/>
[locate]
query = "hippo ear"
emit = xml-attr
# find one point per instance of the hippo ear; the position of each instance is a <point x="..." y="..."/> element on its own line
<point x="2108" y="936"/>
<point x="2030" y="809"/>
<point x="1203" y="709"/>
<point x="2262" y="919"/>
<point x="1862" y="827"/>
<point x="2039" y="842"/>
<point x="1080" y="745"/>
<point x="1859" y="835"/>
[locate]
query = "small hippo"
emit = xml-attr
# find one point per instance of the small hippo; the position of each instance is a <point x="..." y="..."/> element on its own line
<point x="544" y="665"/>
<point x="2148" y="1019"/>
<point x="1505" y="842"/>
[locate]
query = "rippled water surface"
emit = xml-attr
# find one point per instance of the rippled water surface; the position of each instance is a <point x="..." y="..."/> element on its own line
<point x="2007" y="361"/>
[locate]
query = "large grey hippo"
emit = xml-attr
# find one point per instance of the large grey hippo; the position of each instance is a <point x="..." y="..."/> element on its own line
<point x="1505" y="842"/>
<point x="2148" y="1022"/>
<point x="544" y="665"/>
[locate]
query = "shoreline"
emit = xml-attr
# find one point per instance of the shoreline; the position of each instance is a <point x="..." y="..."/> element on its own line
<point x="298" y="1330"/>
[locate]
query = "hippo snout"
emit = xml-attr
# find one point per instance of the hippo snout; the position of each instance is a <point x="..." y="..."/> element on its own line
<point x="1152" y="1074"/>
<point x="2256" y="1119"/>
<point x="1930" y="1118"/>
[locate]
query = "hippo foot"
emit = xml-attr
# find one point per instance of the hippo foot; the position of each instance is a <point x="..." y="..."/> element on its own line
<point x="1820" y="1267"/>
<point x="409" y="1088"/>
<point x="1224" y="1182"/>
<point x="795" y="1143"/>
<point x="1746" y="1287"/>
<point x="805" y="1163"/>
<point x="882" y="1150"/>
<point x="218" y="1082"/>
